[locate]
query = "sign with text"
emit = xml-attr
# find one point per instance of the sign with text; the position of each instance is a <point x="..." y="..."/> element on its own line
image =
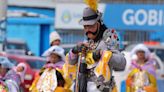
<point x="135" y="16"/>
<point x="68" y="15"/>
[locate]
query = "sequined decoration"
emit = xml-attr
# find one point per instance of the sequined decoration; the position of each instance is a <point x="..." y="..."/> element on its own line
<point x="48" y="81"/>
<point x="111" y="39"/>
<point x="141" y="79"/>
<point x="93" y="45"/>
<point x="3" y="87"/>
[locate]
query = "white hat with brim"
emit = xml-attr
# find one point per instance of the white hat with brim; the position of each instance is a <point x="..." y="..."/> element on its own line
<point x="141" y="47"/>
<point x="90" y="17"/>
<point x="56" y="50"/>
<point x="5" y="62"/>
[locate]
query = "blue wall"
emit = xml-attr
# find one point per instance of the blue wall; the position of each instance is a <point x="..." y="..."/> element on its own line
<point x="29" y="33"/>
<point x="34" y="30"/>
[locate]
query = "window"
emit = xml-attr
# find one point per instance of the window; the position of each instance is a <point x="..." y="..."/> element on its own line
<point x="16" y="46"/>
<point x="157" y="65"/>
<point x="160" y="53"/>
<point x="36" y="64"/>
<point x="13" y="61"/>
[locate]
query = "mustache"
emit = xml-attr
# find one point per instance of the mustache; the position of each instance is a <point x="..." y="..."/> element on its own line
<point x="93" y="33"/>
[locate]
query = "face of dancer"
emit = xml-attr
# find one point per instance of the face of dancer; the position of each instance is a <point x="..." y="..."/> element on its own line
<point x="141" y="55"/>
<point x="20" y="68"/>
<point x="91" y="29"/>
<point x="3" y="70"/>
<point x="54" y="58"/>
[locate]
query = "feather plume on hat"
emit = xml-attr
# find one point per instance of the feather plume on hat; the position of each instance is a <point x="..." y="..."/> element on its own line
<point x="93" y="4"/>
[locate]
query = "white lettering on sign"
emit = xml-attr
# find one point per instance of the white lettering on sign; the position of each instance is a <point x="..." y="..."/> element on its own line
<point x="142" y="21"/>
<point x="128" y="20"/>
<point x="142" y="17"/>
<point x="153" y="18"/>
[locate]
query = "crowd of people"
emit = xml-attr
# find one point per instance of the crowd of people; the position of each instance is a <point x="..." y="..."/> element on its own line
<point x="87" y="67"/>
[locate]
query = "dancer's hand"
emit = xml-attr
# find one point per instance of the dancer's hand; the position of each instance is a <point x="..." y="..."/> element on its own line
<point x="80" y="47"/>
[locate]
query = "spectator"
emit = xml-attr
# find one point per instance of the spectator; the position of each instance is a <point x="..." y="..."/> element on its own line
<point x="55" y="38"/>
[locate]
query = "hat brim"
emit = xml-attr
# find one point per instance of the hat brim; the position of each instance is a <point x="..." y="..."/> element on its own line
<point x="61" y="55"/>
<point x="48" y="52"/>
<point x="89" y="22"/>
